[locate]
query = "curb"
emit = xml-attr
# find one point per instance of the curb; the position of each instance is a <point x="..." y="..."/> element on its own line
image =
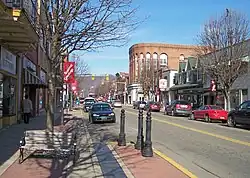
<point x="175" y="164"/>
<point x="123" y="166"/>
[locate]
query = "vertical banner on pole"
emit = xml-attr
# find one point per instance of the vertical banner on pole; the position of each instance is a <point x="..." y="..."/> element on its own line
<point x="69" y="72"/>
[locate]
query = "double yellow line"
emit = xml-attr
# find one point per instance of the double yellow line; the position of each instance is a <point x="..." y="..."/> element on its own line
<point x="199" y="131"/>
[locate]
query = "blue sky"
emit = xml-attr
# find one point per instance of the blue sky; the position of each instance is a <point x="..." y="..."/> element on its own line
<point x="170" y="21"/>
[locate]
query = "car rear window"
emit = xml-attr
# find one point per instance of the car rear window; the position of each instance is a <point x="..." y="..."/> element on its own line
<point x="182" y="102"/>
<point x="101" y="107"/>
<point x="216" y="107"/>
<point x="89" y="101"/>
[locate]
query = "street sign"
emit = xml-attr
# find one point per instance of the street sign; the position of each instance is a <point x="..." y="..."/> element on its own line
<point x="69" y="72"/>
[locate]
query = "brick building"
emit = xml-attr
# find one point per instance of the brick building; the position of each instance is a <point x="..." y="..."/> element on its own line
<point x="157" y="54"/>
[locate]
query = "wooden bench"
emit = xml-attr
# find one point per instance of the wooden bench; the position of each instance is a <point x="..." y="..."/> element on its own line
<point x="59" y="144"/>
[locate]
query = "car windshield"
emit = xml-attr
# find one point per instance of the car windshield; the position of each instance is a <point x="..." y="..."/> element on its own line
<point x="89" y="101"/>
<point x="216" y="107"/>
<point x="142" y="102"/>
<point x="101" y="107"/>
<point x="182" y="102"/>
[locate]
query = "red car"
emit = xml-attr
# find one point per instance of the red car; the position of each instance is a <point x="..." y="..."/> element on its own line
<point x="153" y="106"/>
<point x="209" y="113"/>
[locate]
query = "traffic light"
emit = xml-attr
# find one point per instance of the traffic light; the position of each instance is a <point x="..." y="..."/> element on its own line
<point x="107" y="77"/>
<point x="93" y="77"/>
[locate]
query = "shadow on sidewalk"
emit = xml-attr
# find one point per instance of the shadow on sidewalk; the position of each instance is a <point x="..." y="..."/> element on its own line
<point x="93" y="152"/>
<point x="10" y="137"/>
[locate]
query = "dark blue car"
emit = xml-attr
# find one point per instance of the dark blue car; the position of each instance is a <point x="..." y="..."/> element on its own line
<point x="101" y="112"/>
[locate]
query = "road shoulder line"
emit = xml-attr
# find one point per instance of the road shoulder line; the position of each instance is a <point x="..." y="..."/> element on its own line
<point x="175" y="164"/>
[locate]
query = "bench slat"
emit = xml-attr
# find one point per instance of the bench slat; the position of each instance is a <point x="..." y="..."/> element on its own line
<point x="47" y="139"/>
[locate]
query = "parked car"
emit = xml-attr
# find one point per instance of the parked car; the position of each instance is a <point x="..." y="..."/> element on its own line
<point x="179" y="107"/>
<point x="153" y="106"/>
<point x="139" y="104"/>
<point x="209" y="113"/>
<point x="117" y="104"/>
<point x="88" y="102"/>
<point x="240" y="115"/>
<point x="101" y="112"/>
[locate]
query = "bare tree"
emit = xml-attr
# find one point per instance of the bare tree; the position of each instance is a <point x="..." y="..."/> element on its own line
<point x="221" y="47"/>
<point x="84" y="25"/>
<point x="81" y="68"/>
<point x="103" y="88"/>
<point x="147" y="79"/>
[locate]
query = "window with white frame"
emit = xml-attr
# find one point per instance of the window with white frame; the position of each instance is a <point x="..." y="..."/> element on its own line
<point x="155" y="60"/>
<point x="164" y="59"/>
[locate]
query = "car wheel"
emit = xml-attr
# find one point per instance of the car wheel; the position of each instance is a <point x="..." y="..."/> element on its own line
<point x="223" y="121"/>
<point x="207" y="118"/>
<point x="191" y="116"/>
<point x="231" y="121"/>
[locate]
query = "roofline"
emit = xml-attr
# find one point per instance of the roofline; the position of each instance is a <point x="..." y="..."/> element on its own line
<point x="163" y="45"/>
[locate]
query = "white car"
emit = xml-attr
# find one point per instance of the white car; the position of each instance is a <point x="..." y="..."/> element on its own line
<point x="117" y="104"/>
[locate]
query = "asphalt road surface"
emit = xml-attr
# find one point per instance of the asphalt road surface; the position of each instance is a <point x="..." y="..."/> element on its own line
<point x="206" y="149"/>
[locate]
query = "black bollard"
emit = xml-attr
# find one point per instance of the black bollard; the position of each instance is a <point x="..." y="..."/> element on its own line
<point x="140" y="138"/>
<point x="122" y="135"/>
<point x="147" y="149"/>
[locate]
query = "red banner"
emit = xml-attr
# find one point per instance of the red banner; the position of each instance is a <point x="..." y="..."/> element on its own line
<point x="69" y="72"/>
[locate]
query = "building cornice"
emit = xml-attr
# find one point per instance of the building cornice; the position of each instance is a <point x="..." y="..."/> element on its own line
<point x="162" y="45"/>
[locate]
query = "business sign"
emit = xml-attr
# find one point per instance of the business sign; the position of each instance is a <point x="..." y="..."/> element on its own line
<point x="163" y="84"/>
<point x="27" y="64"/>
<point x="8" y="61"/>
<point x="69" y="72"/>
<point x="42" y="76"/>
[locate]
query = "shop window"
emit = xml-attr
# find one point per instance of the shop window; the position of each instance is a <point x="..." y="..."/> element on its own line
<point x="7" y="95"/>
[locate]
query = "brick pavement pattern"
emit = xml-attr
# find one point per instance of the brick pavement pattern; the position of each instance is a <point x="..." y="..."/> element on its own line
<point x="152" y="167"/>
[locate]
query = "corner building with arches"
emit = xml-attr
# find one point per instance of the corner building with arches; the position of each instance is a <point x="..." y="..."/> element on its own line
<point x="158" y="55"/>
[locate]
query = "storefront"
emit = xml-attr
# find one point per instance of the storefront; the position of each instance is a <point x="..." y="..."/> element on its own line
<point x="8" y="88"/>
<point x="32" y="84"/>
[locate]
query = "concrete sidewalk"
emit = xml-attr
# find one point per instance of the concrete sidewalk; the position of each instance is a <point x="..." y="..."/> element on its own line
<point x="10" y="138"/>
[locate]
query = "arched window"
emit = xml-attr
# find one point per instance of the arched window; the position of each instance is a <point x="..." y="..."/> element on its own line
<point x="141" y="61"/>
<point x="164" y="59"/>
<point x="182" y="57"/>
<point x="155" y="60"/>
<point x="136" y="66"/>
<point x="148" y="56"/>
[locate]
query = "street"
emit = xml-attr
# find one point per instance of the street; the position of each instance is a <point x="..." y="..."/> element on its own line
<point x="206" y="149"/>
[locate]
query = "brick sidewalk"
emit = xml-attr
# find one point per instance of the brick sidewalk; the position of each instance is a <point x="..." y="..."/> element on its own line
<point x="10" y="138"/>
<point x="141" y="167"/>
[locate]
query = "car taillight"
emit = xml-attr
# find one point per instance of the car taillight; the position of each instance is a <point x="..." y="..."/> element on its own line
<point x="177" y="106"/>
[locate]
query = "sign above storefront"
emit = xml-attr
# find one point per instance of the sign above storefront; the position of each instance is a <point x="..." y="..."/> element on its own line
<point x="42" y="76"/>
<point x="27" y="64"/>
<point x="7" y="61"/>
<point x="163" y="84"/>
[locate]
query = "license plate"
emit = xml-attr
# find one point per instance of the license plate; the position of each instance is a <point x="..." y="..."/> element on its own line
<point x="222" y="117"/>
<point x="103" y="118"/>
<point x="184" y="106"/>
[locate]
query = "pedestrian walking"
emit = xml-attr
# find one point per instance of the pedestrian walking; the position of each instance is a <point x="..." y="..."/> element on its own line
<point x="27" y="109"/>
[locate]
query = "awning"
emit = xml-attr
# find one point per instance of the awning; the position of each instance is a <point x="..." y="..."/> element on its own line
<point x="32" y="80"/>
<point x="183" y="86"/>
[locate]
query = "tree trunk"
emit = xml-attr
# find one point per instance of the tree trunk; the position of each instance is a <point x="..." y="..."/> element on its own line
<point x="226" y="94"/>
<point x="50" y="104"/>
